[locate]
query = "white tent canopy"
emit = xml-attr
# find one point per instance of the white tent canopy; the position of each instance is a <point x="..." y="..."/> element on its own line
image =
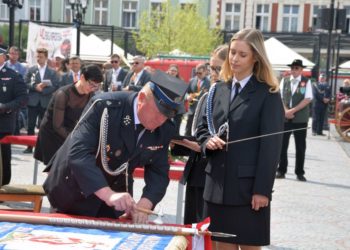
<point x="280" y="55"/>
<point x="345" y="65"/>
<point x="92" y="48"/>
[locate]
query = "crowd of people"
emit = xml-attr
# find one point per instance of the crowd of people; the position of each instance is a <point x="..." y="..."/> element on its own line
<point x="96" y="125"/>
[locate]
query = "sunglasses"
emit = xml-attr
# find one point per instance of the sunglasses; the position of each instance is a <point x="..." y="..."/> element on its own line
<point x="132" y="63"/>
<point x="199" y="73"/>
<point x="215" y="68"/>
<point x="114" y="61"/>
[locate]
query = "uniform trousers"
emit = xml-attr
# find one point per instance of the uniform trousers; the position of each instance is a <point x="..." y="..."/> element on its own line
<point x="300" y="147"/>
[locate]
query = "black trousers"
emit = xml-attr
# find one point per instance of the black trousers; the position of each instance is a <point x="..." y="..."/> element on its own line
<point x="300" y="147"/>
<point x="318" y="115"/>
<point x="193" y="205"/>
<point x="6" y="161"/>
<point x="33" y="114"/>
<point x="188" y="129"/>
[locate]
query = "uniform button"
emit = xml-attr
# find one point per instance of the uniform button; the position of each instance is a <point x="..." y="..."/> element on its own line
<point x="67" y="177"/>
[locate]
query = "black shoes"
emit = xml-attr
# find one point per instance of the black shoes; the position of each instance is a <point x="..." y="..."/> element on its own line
<point x="279" y="175"/>
<point x="301" y="177"/>
<point x="321" y="134"/>
<point x="28" y="150"/>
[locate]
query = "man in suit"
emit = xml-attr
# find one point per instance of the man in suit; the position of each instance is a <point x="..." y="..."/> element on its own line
<point x="41" y="81"/>
<point x="115" y="76"/>
<point x="138" y="76"/>
<point x="91" y="174"/>
<point x="13" y="95"/>
<point x="198" y="85"/>
<point x="296" y="92"/>
<point x="322" y="94"/>
<point x="74" y="74"/>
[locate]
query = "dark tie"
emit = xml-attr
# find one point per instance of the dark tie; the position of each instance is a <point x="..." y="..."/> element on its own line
<point x="138" y="129"/>
<point x="237" y="87"/>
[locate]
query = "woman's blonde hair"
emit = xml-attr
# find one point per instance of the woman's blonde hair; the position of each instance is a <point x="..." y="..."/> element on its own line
<point x="262" y="68"/>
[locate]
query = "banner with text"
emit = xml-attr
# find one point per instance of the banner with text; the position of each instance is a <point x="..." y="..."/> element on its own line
<point x="56" y="40"/>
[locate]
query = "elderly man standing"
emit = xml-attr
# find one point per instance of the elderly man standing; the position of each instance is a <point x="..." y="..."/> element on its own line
<point x="296" y="92"/>
<point x="138" y="76"/>
<point x="13" y="94"/>
<point x="91" y="174"/>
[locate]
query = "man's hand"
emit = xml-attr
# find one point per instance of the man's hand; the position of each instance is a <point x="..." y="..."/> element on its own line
<point x="138" y="216"/>
<point x="40" y="86"/>
<point x="289" y="114"/>
<point x="120" y="201"/>
<point x="193" y="145"/>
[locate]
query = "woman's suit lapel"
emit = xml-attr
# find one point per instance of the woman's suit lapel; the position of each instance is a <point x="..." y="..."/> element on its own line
<point x="244" y="95"/>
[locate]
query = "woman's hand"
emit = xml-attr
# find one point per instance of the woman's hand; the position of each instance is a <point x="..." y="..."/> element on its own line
<point x="215" y="143"/>
<point x="259" y="201"/>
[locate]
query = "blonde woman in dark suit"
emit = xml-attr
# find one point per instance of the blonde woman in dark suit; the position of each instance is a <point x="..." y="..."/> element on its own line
<point x="240" y="176"/>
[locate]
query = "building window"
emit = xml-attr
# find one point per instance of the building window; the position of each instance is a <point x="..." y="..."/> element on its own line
<point x="34" y="10"/>
<point x="290" y="18"/>
<point x="262" y="17"/>
<point x="232" y="16"/>
<point x="156" y="13"/>
<point x="101" y="12"/>
<point x="67" y="12"/>
<point x="4" y="13"/>
<point x="315" y="14"/>
<point x="129" y="10"/>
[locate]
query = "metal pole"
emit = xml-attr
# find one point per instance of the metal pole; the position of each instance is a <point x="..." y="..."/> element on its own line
<point x="78" y="39"/>
<point x="11" y="25"/>
<point x="330" y="29"/>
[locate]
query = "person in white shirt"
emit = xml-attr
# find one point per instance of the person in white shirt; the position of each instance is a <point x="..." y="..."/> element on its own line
<point x="296" y="92"/>
<point x="115" y="76"/>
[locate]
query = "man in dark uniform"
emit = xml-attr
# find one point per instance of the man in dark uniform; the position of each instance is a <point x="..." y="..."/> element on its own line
<point x="91" y="174"/>
<point x="322" y="94"/>
<point x="13" y="95"/>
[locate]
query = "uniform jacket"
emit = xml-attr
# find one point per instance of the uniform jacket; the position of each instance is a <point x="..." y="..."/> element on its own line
<point x="75" y="172"/>
<point x="193" y="88"/>
<point x="108" y="78"/>
<point x="320" y="91"/>
<point x="32" y="78"/>
<point x="13" y="95"/>
<point x="144" y="78"/>
<point x="248" y="167"/>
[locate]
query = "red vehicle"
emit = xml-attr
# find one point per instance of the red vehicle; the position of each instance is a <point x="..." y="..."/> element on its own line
<point x="187" y="65"/>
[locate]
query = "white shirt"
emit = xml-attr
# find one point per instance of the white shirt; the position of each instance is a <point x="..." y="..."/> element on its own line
<point x="243" y="82"/>
<point x="42" y="71"/>
<point x="115" y="74"/>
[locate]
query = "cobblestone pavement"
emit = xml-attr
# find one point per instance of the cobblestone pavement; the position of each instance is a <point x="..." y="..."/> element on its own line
<point x="305" y="215"/>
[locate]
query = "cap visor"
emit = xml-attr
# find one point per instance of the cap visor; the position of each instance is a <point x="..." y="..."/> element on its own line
<point x="170" y="113"/>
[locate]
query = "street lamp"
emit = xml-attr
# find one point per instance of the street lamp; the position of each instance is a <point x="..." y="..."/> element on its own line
<point x="12" y="4"/>
<point x="78" y="14"/>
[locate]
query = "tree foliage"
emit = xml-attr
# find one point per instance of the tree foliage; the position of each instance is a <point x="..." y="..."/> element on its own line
<point x="175" y="28"/>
